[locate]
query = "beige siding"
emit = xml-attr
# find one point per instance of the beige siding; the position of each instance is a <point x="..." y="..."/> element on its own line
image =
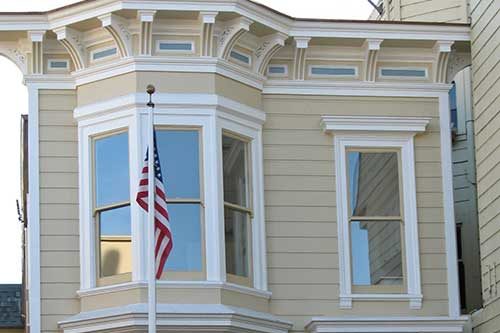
<point x="485" y="15"/>
<point x="58" y="208"/>
<point x="447" y="11"/>
<point x="301" y="214"/>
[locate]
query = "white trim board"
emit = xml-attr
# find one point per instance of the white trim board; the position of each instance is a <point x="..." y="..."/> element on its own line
<point x="386" y="324"/>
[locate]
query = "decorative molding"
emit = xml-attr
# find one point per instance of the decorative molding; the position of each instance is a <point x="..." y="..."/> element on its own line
<point x="442" y="51"/>
<point x="36" y="38"/>
<point x="146" y="18"/>
<point x="175" y="318"/>
<point x="372" y="47"/>
<point x="386" y="324"/>
<point x="72" y="40"/>
<point x="207" y="33"/>
<point x="231" y="33"/>
<point x="118" y="29"/>
<point x="269" y="46"/>
<point x="374" y="124"/>
<point x="457" y="61"/>
<point x="299" y="60"/>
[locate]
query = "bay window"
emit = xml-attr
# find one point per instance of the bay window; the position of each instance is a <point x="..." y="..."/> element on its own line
<point x="237" y="209"/>
<point x="112" y="206"/>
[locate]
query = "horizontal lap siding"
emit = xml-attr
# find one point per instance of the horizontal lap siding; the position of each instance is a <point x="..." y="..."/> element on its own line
<point x="300" y="199"/>
<point x="485" y="47"/>
<point x="59" y="241"/>
<point x="452" y="11"/>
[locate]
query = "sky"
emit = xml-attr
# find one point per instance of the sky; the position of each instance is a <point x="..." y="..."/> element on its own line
<point x="14" y="102"/>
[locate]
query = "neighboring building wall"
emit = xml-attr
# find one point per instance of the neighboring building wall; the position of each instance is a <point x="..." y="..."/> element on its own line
<point x="58" y="207"/>
<point x="301" y="214"/>
<point x="450" y="11"/>
<point x="485" y="44"/>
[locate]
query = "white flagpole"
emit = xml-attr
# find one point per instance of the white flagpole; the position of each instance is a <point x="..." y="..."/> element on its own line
<point x="151" y="220"/>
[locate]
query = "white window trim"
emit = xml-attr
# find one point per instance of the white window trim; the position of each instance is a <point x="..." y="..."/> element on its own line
<point x="310" y="68"/>
<point x="285" y="74"/>
<point x="354" y="132"/>
<point x="158" y="42"/>
<point x="210" y="112"/>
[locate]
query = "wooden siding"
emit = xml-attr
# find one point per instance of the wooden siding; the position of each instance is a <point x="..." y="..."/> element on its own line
<point x="59" y="255"/>
<point x="300" y="203"/>
<point x="485" y="47"/>
<point x="449" y="11"/>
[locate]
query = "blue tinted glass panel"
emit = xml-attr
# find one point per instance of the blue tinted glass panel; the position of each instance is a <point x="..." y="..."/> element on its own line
<point x="240" y="57"/>
<point x="111" y="169"/>
<point x="453" y="106"/>
<point x="58" y="64"/>
<point x="180" y="160"/>
<point x="332" y="71"/>
<point x="277" y="70"/>
<point x="186" y="231"/>
<point x="176" y="46"/>
<point x="115" y="222"/>
<point x="104" y="53"/>
<point x="403" y="72"/>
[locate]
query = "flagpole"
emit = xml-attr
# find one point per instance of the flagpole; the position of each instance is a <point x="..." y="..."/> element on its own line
<point x="151" y="219"/>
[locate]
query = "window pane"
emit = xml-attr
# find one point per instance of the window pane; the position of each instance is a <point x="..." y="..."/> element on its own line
<point x="235" y="170"/>
<point x="179" y="159"/>
<point x="373" y="184"/>
<point x="376" y="253"/>
<point x="112" y="169"/>
<point x="186" y="231"/>
<point x="115" y="241"/>
<point x="237" y="242"/>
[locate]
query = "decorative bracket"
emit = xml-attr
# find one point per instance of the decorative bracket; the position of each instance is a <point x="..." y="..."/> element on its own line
<point x="269" y="45"/>
<point x="72" y="41"/>
<point x="117" y="28"/>
<point x="299" y="62"/>
<point x="207" y="33"/>
<point x="372" y="47"/>
<point x="442" y="51"/>
<point x="36" y="38"/>
<point x="231" y="33"/>
<point x="146" y="17"/>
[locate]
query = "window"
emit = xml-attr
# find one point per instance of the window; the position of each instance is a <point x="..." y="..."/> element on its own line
<point x="175" y="46"/>
<point x="277" y="70"/>
<point x="58" y="64"/>
<point x="453" y="107"/>
<point x="112" y="205"/>
<point x="103" y="53"/>
<point x="320" y="71"/>
<point x="375" y="222"/>
<point x="241" y="57"/>
<point x="182" y="181"/>
<point x="237" y="211"/>
<point x="404" y="72"/>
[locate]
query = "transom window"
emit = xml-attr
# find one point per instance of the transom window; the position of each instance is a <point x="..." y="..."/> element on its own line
<point x="237" y="209"/>
<point x="179" y="150"/>
<point x="375" y="220"/>
<point x="112" y="206"/>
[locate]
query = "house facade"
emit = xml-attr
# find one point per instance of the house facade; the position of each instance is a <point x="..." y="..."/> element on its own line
<point x="307" y="164"/>
<point x="479" y="96"/>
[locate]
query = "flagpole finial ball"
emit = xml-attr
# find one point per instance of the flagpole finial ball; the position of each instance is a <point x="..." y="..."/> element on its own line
<point x="150" y="89"/>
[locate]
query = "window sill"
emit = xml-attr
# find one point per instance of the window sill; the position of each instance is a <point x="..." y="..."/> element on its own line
<point x="415" y="301"/>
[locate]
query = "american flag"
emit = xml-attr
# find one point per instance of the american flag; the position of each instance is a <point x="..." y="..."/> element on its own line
<point x="163" y="234"/>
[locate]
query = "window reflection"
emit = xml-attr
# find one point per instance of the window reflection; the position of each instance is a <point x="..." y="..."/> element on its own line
<point x="375" y="222"/>
<point x="236" y="236"/>
<point x="112" y="205"/>
<point x="180" y="162"/>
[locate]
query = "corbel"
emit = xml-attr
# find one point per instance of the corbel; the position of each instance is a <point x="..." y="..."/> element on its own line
<point x="372" y="48"/>
<point x="146" y="18"/>
<point x="36" y="38"/>
<point x="299" y="61"/>
<point x="231" y="33"/>
<point x="268" y="47"/>
<point x="442" y="51"/>
<point x="117" y="28"/>
<point x="207" y="33"/>
<point x="72" y="41"/>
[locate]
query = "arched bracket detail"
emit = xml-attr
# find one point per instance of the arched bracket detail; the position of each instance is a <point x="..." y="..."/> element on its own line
<point x="269" y="46"/>
<point x="72" y="41"/>
<point x="16" y="54"/>
<point x="457" y="61"/>
<point x="231" y="33"/>
<point x="299" y="61"/>
<point x="372" y="48"/>
<point x="146" y="18"/>
<point x="442" y="50"/>
<point x="117" y="28"/>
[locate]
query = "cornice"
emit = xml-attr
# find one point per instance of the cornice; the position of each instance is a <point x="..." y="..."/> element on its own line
<point x="374" y="123"/>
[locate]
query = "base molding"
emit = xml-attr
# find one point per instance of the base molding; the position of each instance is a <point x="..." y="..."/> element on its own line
<point x="175" y="318"/>
<point x="386" y="324"/>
